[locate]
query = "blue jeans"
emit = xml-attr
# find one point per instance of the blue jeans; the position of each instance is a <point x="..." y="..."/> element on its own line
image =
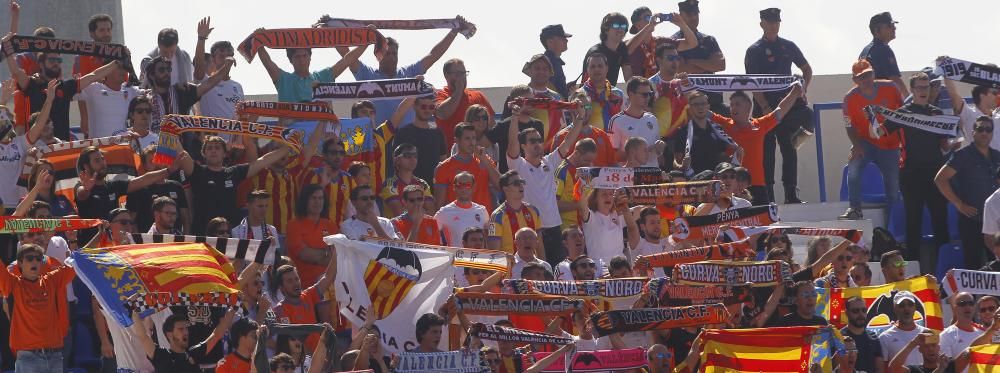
<point x="887" y="162"/>
<point x="37" y="361"/>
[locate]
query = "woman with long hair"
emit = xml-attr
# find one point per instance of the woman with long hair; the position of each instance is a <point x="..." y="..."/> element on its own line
<point x="479" y="118"/>
<point x="605" y="213"/>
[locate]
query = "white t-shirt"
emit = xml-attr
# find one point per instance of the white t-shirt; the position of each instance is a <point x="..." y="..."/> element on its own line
<point x="649" y="248"/>
<point x="454" y="220"/>
<point x="603" y="234"/>
<point x="220" y="101"/>
<point x="624" y="127"/>
<point x="355" y="229"/>
<point x="991" y="214"/>
<point x="968" y="119"/>
<point x="894" y="339"/>
<point x="954" y="340"/>
<point x="540" y="185"/>
<point x="128" y="350"/>
<point x="737" y="202"/>
<point x="11" y="159"/>
<point x="515" y="272"/>
<point x="107" y="109"/>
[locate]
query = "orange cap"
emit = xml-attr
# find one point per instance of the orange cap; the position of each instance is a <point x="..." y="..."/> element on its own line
<point x="861" y="67"/>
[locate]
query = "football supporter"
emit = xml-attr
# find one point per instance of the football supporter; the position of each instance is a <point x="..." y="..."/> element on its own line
<point x="512" y="214"/>
<point x="462" y="214"/>
<point x="414" y="224"/>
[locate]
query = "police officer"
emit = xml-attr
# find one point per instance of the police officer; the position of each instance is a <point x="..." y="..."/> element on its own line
<point x="775" y="55"/>
<point x="706" y="58"/>
<point x="879" y="54"/>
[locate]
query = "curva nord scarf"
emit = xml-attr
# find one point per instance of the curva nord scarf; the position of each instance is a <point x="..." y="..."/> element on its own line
<point x="13" y="224"/>
<point x="373" y="89"/>
<point x="969" y="72"/>
<point x="618" y="177"/>
<point x="973" y="282"/>
<point x="663" y="293"/>
<point x="738" y="82"/>
<point x="729" y="250"/>
<point x="307" y="38"/>
<point x="412" y="24"/>
<point x="505" y="334"/>
<point x="715" y="272"/>
<point x="707" y="226"/>
<point x="505" y="304"/>
<point x="609" y="288"/>
<point x="109" y="51"/>
<point x="303" y="111"/>
<point x="741" y="233"/>
<point x="174" y="125"/>
<point x="684" y="193"/>
<point x="643" y="319"/>
<point x="939" y="124"/>
<point x="545" y="103"/>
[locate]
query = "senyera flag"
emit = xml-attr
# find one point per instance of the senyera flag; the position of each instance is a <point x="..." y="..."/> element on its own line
<point x="831" y="303"/>
<point x="153" y="276"/>
<point x="784" y="349"/>
<point x="121" y="160"/>
<point x="984" y="358"/>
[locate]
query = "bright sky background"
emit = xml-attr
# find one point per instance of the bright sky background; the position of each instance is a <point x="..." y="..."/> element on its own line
<point x="830" y="33"/>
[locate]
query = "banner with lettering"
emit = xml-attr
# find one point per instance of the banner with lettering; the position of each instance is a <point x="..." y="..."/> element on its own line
<point x="972" y="282"/>
<point x="12" y="224"/>
<point x="618" y="177"/>
<point x="673" y="194"/>
<point x="595" y="361"/>
<point x="939" y="124"/>
<point x="373" y="89"/>
<point x="399" y="282"/>
<point x="505" y="304"/>
<point x="719" y="83"/>
<point x="645" y="319"/>
<point x="290" y="38"/>
<point x="715" y="272"/>
<point x="465" y="28"/>
<point x="663" y="293"/>
<point x="545" y="103"/>
<point x="609" y="288"/>
<point x="707" y="226"/>
<point x="728" y="250"/>
<point x="969" y="72"/>
<point x="320" y="111"/>
<point x="463" y="361"/>
<point x="15" y="44"/>
<point x="519" y="336"/>
<point x="737" y="233"/>
<point x="172" y="126"/>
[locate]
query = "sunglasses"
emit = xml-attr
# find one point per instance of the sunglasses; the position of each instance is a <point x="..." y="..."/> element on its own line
<point x="466" y="73"/>
<point x="965" y="303"/>
<point x="899" y="264"/>
<point x="587" y="265"/>
<point x="535" y="140"/>
<point x="164" y="69"/>
<point x="122" y="221"/>
<point x="427" y="107"/>
<point x="587" y="107"/>
<point x="983" y="129"/>
<point x="365" y="198"/>
<point x="619" y="26"/>
<point x="32" y="258"/>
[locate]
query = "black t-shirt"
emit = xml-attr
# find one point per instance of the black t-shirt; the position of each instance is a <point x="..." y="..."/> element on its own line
<point x="921" y="369"/>
<point x="166" y="361"/>
<point x="616" y="59"/>
<point x="60" y="105"/>
<point x="920" y="148"/>
<point x="707" y="147"/>
<point x="762" y="294"/>
<point x="97" y="205"/>
<point x="187" y="96"/>
<point x="777" y="57"/>
<point x="679" y="342"/>
<point x="868" y="349"/>
<point x="793" y="319"/>
<point x="498" y="135"/>
<point x="203" y="320"/>
<point x="993" y="266"/>
<point x="140" y="202"/>
<point x="430" y="147"/>
<point x="214" y="194"/>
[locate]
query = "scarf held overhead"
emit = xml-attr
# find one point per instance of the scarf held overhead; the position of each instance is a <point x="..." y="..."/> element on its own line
<point x="643" y="319"/>
<point x="13" y="224"/>
<point x="735" y="82"/>
<point x="729" y="250"/>
<point x="969" y="72"/>
<point x="67" y="152"/>
<point x="505" y="304"/>
<point x="707" y="226"/>
<point x="939" y="124"/>
<point x="595" y="361"/>
<point x="291" y="110"/>
<point x="373" y="89"/>
<point x="463" y="361"/>
<point x="972" y="282"/>
<point x="109" y="51"/>
<point x="663" y="293"/>
<point x="609" y="288"/>
<point x="545" y="103"/>
<point x="290" y="38"/>
<point x="618" y="177"/>
<point x="505" y="334"/>
<point x="742" y="233"/>
<point x="410" y="24"/>
<point x="174" y="125"/>
<point x="673" y="194"/>
<point x="714" y="272"/>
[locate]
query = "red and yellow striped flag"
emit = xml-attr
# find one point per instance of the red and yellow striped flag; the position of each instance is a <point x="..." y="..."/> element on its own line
<point x="758" y="350"/>
<point x="832" y="303"/>
<point x="984" y="358"/>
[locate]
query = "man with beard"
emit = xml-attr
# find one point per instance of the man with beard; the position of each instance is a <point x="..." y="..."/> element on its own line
<point x="100" y="27"/>
<point x="96" y="194"/>
<point x="452" y="101"/>
<point x="34" y="87"/>
<point x="164" y="216"/>
<point x="652" y="241"/>
<point x="583" y="268"/>
<point x="179" y="356"/>
<point x="897" y="338"/>
<point x="670" y="105"/>
<point x="868" y="348"/>
<point x="928" y="344"/>
<point x="299" y="306"/>
<point x="430" y="140"/>
<point x="959" y="335"/>
<point x="540" y="70"/>
<point x="180" y="97"/>
<point x="603" y="95"/>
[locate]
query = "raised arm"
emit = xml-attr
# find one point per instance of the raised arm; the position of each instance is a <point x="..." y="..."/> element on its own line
<point x="330" y="274"/>
<point x="513" y="145"/>
<point x="787" y="102"/>
<point x="631" y="226"/>
<point x="828" y="257"/>
<point x="582" y="207"/>
<point x="142" y="334"/>
<point x="957" y="102"/>
<point x="690" y="40"/>
<point x="317" y="138"/>
<point x="221" y="74"/>
<point x="571" y="137"/>
<point x="540" y="365"/>
<point x="348" y="60"/>
<point x="154" y="177"/>
<point x="99" y="74"/>
<point x="43" y="180"/>
<point x="220" y="330"/>
<point x="442" y="46"/>
<point x="15" y="15"/>
<point x="898" y="362"/>
<point x="770" y="307"/>
<point x="20" y="77"/>
<point x="642" y="36"/>
<point x="204" y="29"/>
<point x="272" y="157"/>
<point x="43" y="116"/>
<point x="265" y="58"/>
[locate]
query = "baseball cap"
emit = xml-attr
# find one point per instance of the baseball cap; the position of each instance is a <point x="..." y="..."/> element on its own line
<point x="861" y="67"/>
<point x="554" y="30"/>
<point x="723" y="167"/>
<point x="771" y="15"/>
<point x="636" y="15"/>
<point x="167" y="37"/>
<point x="688" y="6"/>
<point x="532" y="60"/>
<point x="904" y="295"/>
<point x="883" y="18"/>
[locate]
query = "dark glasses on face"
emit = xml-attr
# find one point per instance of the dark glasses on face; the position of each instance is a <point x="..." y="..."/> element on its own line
<point x="55" y="59"/>
<point x="427" y="107"/>
<point x="337" y="152"/>
<point x="164" y="69"/>
<point x="857" y="310"/>
<point x="673" y="57"/>
<point x="587" y="265"/>
<point x="965" y="303"/>
<point x="619" y="26"/>
<point x="365" y="198"/>
<point x="463" y="185"/>
<point x="515" y="183"/>
<point x="984" y="129"/>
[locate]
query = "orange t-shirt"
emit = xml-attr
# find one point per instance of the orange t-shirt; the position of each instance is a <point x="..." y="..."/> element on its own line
<point x="302" y="233"/>
<point x="886" y="95"/>
<point x="447" y="125"/>
<point x="37" y="303"/>
<point x="605" y="150"/>
<point x="445" y="173"/>
<point x="233" y="363"/>
<point x="428" y="234"/>
<point x="303" y="312"/>
<point x="751" y="139"/>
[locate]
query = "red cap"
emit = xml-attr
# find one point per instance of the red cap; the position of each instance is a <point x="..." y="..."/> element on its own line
<point x="861" y="67"/>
